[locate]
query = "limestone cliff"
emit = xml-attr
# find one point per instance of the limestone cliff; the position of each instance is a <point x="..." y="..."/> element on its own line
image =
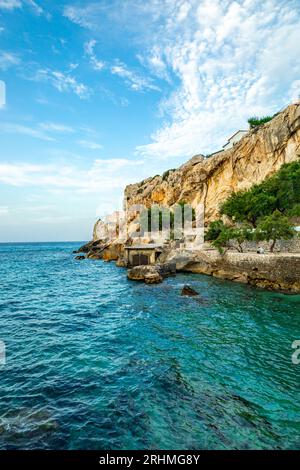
<point x="256" y="156"/>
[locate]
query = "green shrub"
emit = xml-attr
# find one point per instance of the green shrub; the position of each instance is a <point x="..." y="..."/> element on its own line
<point x="223" y="239"/>
<point x="214" y="230"/>
<point x="255" y="121"/>
<point x="273" y="227"/>
<point x="279" y="192"/>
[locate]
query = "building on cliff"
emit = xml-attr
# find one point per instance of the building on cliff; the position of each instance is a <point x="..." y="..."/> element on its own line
<point x="234" y="139"/>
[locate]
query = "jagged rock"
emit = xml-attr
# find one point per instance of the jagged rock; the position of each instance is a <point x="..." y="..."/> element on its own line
<point x="90" y="246"/>
<point x="94" y="255"/>
<point x="79" y="257"/>
<point x="189" y="291"/>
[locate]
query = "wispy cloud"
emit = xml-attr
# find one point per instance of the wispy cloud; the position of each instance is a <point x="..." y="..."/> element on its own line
<point x="11" y="128"/>
<point x="133" y="79"/>
<point x="37" y="8"/>
<point x="62" y="81"/>
<point x="88" y="144"/>
<point x="13" y="4"/>
<point x="102" y="177"/>
<point x="3" y="210"/>
<point x="10" y="4"/>
<point x="56" y="127"/>
<point x="89" y="48"/>
<point x="8" y="59"/>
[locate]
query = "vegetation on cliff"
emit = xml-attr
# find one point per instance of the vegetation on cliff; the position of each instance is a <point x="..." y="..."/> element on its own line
<point x="256" y="121"/>
<point x="261" y="213"/>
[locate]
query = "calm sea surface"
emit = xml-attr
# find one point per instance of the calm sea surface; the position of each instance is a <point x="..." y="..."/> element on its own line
<point x="94" y="361"/>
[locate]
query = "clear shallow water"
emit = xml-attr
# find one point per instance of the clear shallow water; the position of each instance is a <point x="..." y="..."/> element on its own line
<point x="97" y="362"/>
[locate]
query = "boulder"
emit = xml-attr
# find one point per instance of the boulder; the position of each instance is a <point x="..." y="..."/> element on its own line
<point x="189" y="291"/>
<point x="153" y="278"/>
<point x="151" y="274"/>
<point x="138" y="273"/>
<point x="80" y="257"/>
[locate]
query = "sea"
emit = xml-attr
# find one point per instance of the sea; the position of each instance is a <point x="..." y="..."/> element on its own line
<point x="91" y="360"/>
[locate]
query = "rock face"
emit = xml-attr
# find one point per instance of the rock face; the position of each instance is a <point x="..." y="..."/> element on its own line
<point x="100" y="231"/>
<point x="259" y="154"/>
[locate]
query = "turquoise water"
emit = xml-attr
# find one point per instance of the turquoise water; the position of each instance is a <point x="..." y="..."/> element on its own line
<point x="97" y="362"/>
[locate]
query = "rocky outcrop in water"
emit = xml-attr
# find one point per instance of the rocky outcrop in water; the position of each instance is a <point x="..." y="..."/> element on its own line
<point x="151" y="274"/>
<point x="189" y="291"/>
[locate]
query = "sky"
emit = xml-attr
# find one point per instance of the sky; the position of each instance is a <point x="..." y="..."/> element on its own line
<point x="95" y="95"/>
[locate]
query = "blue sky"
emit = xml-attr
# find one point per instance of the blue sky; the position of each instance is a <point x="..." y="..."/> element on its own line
<point x="104" y="93"/>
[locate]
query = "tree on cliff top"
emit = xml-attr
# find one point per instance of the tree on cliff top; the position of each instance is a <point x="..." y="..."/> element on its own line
<point x="273" y="227"/>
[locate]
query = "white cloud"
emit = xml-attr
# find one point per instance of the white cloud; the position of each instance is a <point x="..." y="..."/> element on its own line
<point x="88" y="144"/>
<point x="63" y="82"/>
<point x="82" y="16"/>
<point x="231" y="60"/>
<point x="103" y="177"/>
<point x="136" y="81"/>
<point x="222" y="59"/>
<point x="89" y="48"/>
<point x="11" y="128"/>
<point x="8" y="59"/>
<point x="3" y="210"/>
<point x="10" y="4"/>
<point x="56" y="127"/>
<point x="37" y="9"/>
<point x="2" y="94"/>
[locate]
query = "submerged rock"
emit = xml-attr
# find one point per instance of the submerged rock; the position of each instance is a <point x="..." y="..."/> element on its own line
<point x="189" y="291"/>
<point x="79" y="257"/>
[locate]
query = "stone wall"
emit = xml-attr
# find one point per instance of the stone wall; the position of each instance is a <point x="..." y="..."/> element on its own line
<point x="280" y="271"/>
<point x="282" y="246"/>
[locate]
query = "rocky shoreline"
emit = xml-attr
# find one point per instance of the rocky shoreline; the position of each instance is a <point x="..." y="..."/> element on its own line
<point x="272" y="271"/>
